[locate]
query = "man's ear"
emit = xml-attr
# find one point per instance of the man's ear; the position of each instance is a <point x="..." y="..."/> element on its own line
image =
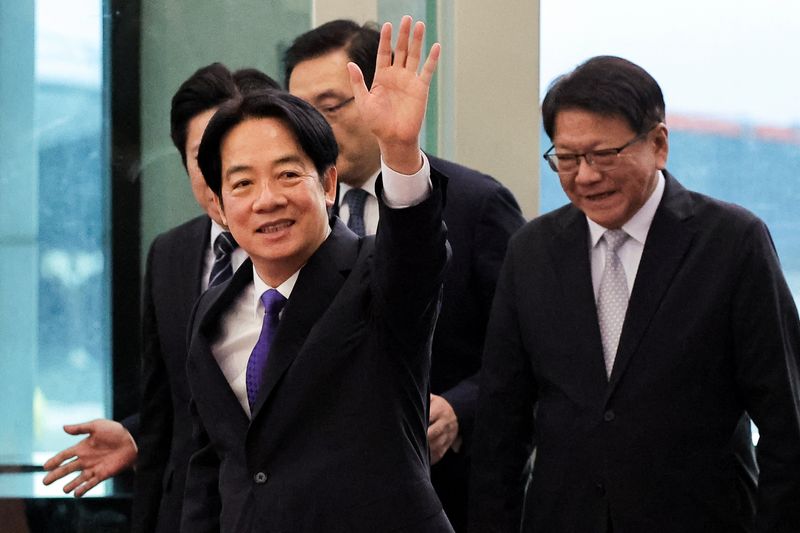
<point x="221" y="209"/>
<point x="661" y="140"/>
<point x="329" y="185"/>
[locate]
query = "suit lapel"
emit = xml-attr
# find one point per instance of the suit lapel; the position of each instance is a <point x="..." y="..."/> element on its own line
<point x="318" y="284"/>
<point x="196" y="256"/>
<point x="189" y="264"/>
<point x="570" y="251"/>
<point x="667" y="243"/>
<point x="222" y="297"/>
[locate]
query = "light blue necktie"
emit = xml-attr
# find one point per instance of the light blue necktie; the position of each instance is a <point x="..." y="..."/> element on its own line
<point x="612" y="297"/>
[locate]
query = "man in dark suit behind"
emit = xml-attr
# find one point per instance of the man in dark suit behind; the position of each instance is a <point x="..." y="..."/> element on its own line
<point x="179" y="267"/>
<point x="633" y="335"/>
<point x="481" y="214"/>
<point x="315" y="419"/>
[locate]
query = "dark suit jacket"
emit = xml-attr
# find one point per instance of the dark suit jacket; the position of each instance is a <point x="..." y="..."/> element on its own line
<point x="711" y="334"/>
<point x="172" y="285"/>
<point x="337" y="440"/>
<point x="481" y="215"/>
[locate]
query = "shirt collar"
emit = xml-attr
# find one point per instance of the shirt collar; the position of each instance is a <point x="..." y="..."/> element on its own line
<point x="284" y="288"/>
<point x="216" y="229"/>
<point x="639" y="224"/>
<point x="368" y="186"/>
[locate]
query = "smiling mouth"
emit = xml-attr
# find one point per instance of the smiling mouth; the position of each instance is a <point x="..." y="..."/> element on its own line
<point x="599" y="196"/>
<point x="276" y="227"/>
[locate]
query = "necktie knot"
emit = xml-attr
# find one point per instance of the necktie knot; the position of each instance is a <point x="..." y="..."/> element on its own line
<point x="224" y="244"/>
<point x="614" y="239"/>
<point x="273" y="302"/>
<point x="222" y="270"/>
<point x="355" y="199"/>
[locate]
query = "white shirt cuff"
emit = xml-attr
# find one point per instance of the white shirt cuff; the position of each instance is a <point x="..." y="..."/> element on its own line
<point x="403" y="190"/>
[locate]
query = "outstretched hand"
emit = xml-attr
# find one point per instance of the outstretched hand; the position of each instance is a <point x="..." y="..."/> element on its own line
<point x="394" y="107"/>
<point x="108" y="450"/>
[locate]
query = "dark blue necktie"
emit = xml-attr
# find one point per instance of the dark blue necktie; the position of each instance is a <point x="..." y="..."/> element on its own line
<point x="273" y="303"/>
<point x="224" y="245"/>
<point x="355" y="200"/>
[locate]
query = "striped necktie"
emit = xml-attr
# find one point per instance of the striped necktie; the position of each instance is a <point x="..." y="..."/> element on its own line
<point x="221" y="271"/>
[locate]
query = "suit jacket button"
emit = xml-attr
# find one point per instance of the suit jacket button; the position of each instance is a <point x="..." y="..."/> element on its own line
<point x="260" y="478"/>
<point x="609" y="415"/>
<point x="601" y="488"/>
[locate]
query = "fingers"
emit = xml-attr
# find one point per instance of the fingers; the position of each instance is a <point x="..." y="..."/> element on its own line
<point x="79" y="429"/>
<point x="384" y="58"/>
<point x="401" y="47"/>
<point x="430" y="64"/>
<point x="61" y="471"/>
<point x="82" y="483"/>
<point x="86" y="487"/>
<point x="357" y="81"/>
<point x="437" y="442"/>
<point x="59" y="458"/>
<point x="408" y="50"/>
<point x="415" y="48"/>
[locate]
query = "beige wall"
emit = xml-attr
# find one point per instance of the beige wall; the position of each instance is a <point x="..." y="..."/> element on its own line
<point x="489" y="92"/>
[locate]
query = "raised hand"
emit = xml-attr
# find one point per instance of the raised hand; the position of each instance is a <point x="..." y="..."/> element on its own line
<point x="394" y="107"/>
<point x="108" y="450"/>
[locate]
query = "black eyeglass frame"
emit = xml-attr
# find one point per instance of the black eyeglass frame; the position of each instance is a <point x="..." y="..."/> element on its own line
<point x="552" y="159"/>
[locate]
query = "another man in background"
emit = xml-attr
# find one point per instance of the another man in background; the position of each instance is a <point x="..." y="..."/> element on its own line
<point x="634" y="334"/>
<point x="181" y="264"/>
<point x="480" y="215"/>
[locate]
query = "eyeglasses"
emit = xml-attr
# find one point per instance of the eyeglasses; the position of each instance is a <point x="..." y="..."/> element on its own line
<point x="602" y="160"/>
<point x="331" y="112"/>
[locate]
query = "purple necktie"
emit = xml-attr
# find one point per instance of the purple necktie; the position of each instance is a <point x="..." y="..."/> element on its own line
<point x="273" y="303"/>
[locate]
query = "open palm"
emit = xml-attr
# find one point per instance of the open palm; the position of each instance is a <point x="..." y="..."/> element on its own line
<point x="394" y="107"/>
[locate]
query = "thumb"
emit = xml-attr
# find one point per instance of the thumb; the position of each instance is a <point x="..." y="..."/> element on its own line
<point x="357" y="81"/>
<point x="79" y="429"/>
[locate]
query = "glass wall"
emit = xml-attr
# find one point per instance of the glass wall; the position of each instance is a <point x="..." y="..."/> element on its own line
<point x="54" y="243"/>
<point x="177" y="38"/>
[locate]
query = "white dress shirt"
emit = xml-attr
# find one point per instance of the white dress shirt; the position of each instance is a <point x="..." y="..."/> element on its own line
<point x="241" y="323"/>
<point x="630" y="253"/>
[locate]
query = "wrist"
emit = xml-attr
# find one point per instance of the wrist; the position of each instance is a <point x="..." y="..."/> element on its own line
<point x="402" y="158"/>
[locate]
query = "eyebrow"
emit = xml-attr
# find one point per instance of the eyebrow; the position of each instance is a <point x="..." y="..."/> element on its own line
<point x="289" y="158"/>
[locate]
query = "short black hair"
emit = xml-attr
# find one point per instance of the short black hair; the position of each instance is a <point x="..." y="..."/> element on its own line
<point x="312" y="131"/>
<point x="250" y="80"/>
<point x="360" y="43"/>
<point x="206" y="89"/>
<point x="610" y="86"/>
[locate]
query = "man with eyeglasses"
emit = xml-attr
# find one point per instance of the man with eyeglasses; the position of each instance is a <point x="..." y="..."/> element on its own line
<point x="480" y="215"/>
<point x="634" y="334"/>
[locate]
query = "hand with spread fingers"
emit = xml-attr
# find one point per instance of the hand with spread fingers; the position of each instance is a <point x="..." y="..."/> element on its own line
<point x="394" y="107"/>
<point x="108" y="450"/>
